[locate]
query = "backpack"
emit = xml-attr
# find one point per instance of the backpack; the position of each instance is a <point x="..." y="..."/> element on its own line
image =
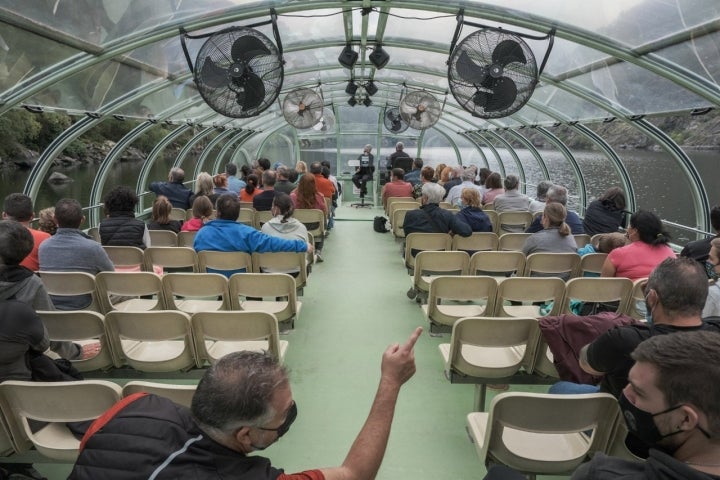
<point x="379" y="224"/>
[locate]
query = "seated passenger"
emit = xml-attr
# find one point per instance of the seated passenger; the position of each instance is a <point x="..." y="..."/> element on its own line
<point x="467" y="178"/>
<point x="46" y="220"/>
<point x="430" y="218"/>
<point x="120" y="227"/>
<point x="559" y="194"/>
<point x="426" y="176"/>
<point x="202" y="211"/>
<point x="555" y="237"/>
<point x="71" y="250"/>
<point x="699" y="249"/>
<point x="251" y="188"/>
<point x="512" y="200"/>
<point x="606" y="214"/>
<point x="604" y="243"/>
<point x="160" y="219"/>
<point x="283" y="224"/>
<point x="712" y="268"/>
<point x="204" y="187"/>
<point x="306" y="195"/>
<point x="493" y="188"/>
<point x="472" y="213"/>
<point x="648" y="247"/>
<point x="398" y="187"/>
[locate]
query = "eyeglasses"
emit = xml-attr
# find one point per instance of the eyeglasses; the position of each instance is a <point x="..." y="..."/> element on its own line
<point x="289" y="419"/>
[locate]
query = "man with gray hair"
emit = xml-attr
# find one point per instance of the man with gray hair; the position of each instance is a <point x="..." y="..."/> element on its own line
<point x="283" y="183"/>
<point x="430" y="218"/>
<point x="242" y="404"/>
<point x="538" y="204"/>
<point x="173" y="189"/>
<point x="455" y="178"/>
<point x="395" y="162"/>
<point x="512" y="200"/>
<point x="559" y="194"/>
<point x="467" y="178"/>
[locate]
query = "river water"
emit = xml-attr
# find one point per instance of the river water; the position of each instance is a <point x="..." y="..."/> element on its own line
<point x="658" y="182"/>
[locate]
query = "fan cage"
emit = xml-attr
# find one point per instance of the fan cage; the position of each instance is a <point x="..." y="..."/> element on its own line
<point x="479" y="47"/>
<point x="307" y="116"/>
<point x="227" y="99"/>
<point x="420" y="109"/>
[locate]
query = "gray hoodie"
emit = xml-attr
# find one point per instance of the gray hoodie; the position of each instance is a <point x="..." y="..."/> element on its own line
<point x="292" y="229"/>
<point x="21" y="284"/>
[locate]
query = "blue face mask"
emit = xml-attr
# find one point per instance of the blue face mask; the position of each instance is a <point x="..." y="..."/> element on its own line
<point x="710" y="271"/>
<point x="648" y="312"/>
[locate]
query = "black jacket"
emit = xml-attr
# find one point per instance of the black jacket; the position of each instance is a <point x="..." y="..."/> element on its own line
<point x="177" y="193"/>
<point x="155" y="435"/>
<point x="122" y="229"/>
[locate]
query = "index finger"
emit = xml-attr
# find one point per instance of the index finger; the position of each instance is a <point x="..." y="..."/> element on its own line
<point x="413" y="339"/>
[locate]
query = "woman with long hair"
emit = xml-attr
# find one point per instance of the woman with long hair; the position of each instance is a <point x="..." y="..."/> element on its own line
<point x="607" y="213"/>
<point x="493" y="188"/>
<point x="202" y="212"/>
<point x="307" y="196"/>
<point x="160" y="220"/>
<point x="204" y="188"/>
<point x="555" y="237"/>
<point x="647" y="249"/>
<point x="251" y="188"/>
<point x="438" y="172"/>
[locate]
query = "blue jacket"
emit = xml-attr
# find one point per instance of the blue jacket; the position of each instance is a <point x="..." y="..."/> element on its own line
<point x="476" y="218"/>
<point x="177" y="193"/>
<point x="231" y="236"/>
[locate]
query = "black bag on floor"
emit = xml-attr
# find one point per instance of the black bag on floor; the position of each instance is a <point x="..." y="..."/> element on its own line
<point x="379" y="224"/>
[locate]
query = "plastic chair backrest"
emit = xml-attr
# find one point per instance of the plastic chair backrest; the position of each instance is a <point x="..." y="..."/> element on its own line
<point x="514" y="222"/>
<point x="598" y="289"/>
<point x="269" y="287"/>
<point x="261" y="217"/>
<point x="425" y="242"/>
<point x="178" y="214"/>
<point x="196" y="292"/>
<point x="401" y="205"/>
<point x="180" y="394"/>
<point x="512" y="241"/>
<point x="72" y="284"/>
<point x="186" y="239"/>
<point x="542" y="264"/>
<point x="220" y="262"/>
<point x="528" y="291"/>
<point x="581" y="239"/>
<point x="170" y="257"/>
<point x="477" y="242"/>
<point x="460" y="288"/>
<point x="247" y="216"/>
<point x="636" y="297"/>
<point x="218" y="333"/>
<point x="153" y="341"/>
<point x="54" y="403"/>
<point x="163" y="238"/>
<point x="126" y="257"/>
<point x="592" y="264"/>
<point x="499" y="264"/>
<point x="111" y="285"/>
<point x="294" y="264"/>
<point x="397" y="219"/>
<point x="313" y="219"/>
<point x="534" y="416"/>
<point x="391" y="200"/>
<point x="80" y="325"/>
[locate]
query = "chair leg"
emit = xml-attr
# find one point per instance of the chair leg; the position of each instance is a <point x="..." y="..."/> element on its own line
<point x="480" y="394"/>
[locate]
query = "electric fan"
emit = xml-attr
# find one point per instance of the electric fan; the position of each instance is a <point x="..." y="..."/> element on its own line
<point x="492" y="73"/>
<point x="239" y="72"/>
<point x="327" y="121"/>
<point x="393" y="120"/>
<point x="302" y="108"/>
<point x="420" y="109"/>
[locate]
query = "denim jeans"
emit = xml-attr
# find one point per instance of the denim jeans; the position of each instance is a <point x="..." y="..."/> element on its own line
<point x="569" y="388"/>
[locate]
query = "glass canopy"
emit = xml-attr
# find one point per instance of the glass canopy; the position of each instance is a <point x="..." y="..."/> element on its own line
<point x="615" y="59"/>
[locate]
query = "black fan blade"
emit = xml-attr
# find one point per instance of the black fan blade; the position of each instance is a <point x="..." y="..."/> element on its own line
<point x="396" y="126"/>
<point x="248" y="47"/>
<point x="502" y="96"/>
<point x="508" y="51"/>
<point x="253" y="94"/>
<point x="212" y="75"/>
<point x="468" y="70"/>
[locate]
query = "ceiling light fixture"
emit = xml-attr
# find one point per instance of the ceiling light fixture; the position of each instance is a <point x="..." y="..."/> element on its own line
<point x="348" y="57"/>
<point x="379" y="57"/>
<point x="352" y="102"/>
<point x="351" y="87"/>
<point x="367" y="102"/>
<point x="371" y="88"/>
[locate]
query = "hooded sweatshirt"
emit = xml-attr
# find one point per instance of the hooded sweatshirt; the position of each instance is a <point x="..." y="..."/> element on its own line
<point x="292" y="229"/>
<point x="19" y="283"/>
<point x="659" y="466"/>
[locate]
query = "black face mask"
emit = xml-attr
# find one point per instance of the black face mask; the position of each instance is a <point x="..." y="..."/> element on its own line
<point x="642" y="423"/>
<point x="710" y="271"/>
<point x="282" y="429"/>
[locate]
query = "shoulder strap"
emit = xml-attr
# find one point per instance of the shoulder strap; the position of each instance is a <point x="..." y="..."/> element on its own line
<point x="103" y="419"/>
